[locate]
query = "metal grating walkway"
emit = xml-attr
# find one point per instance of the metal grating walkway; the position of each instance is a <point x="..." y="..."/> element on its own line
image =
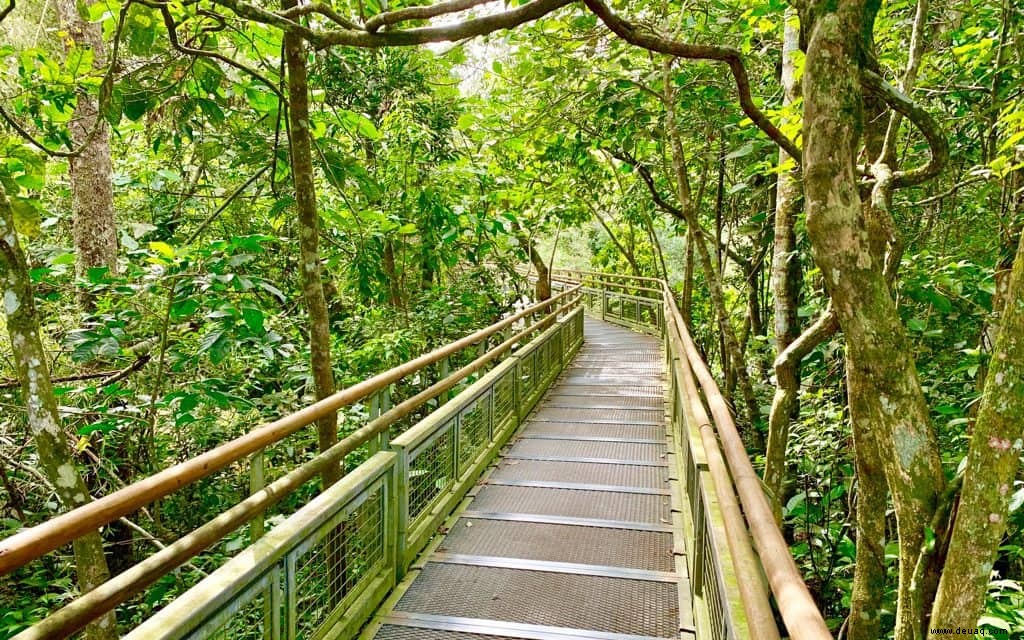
<point x="570" y="536"/>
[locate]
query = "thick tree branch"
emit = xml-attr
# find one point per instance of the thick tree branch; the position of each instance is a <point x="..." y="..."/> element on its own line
<point x="938" y="146"/>
<point x="7" y="10"/>
<point x="633" y="34"/>
<point x="399" y="38"/>
<point x="420" y="13"/>
<point x="321" y="9"/>
<point x="822" y="329"/>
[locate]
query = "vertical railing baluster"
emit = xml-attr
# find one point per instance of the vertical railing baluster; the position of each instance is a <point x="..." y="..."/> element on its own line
<point x="256" y="483"/>
<point x="445" y="366"/>
<point x="374" y="445"/>
<point x="257" y="527"/>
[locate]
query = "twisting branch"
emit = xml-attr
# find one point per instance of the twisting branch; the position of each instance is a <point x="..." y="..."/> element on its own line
<point x="938" y="146"/>
<point x="917" y="46"/>
<point x="646" y="39"/>
<point x="420" y="13"/>
<point x="399" y="38"/>
<point x="7" y="10"/>
<point x="321" y="9"/>
<point x="172" y="36"/>
<point x="645" y="175"/>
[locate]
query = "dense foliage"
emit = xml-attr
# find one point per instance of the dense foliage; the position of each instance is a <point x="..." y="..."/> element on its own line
<point x="438" y="167"/>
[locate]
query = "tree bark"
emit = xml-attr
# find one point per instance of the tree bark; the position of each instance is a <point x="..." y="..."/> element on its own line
<point x="887" y="406"/>
<point x="992" y="462"/>
<point x="542" y="290"/>
<point x="44" y="424"/>
<point x="686" y="307"/>
<point x="786" y="276"/>
<point x="92" y="195"/>
<point x="300" y="144"/>
<point x="711" y="273"/>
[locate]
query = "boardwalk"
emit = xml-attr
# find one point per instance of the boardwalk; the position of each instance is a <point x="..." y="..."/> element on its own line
<point x="570" y="535"/>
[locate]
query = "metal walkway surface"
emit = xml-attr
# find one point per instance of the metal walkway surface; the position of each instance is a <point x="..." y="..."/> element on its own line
<point x="570" y="535"/>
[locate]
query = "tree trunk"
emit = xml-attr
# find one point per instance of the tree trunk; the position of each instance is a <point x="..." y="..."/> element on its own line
<point x="786" y="276"/>
<point x="711" y="274"/>
<point x="542" y="290"/>
<point x="992" y="462"/>
<point x="887" y="407"/>
<point x="43" y="420"/>
<point x="308" y="225"/>
<point x="686" y="308"/>
<point x="92" y="195"/>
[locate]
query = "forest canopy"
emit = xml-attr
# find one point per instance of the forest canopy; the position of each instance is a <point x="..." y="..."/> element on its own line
<point x="213" y="213"/>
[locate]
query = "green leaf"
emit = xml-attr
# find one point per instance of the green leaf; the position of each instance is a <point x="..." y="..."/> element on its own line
<point x="992" y="621"/>
<point x="253" y="319"/>
<point x="745" y="150"/>
<point x="162" y="248"/>
<point x="26" y="216"/>
<point x="217" y="344"/>
<point x="208" y="74"/>
<point x="359" y="124"/>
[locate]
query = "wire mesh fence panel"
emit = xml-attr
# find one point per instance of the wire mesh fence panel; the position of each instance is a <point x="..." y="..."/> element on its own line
<point x="347" y="552"/>
<point x="504" y="402"/>
<point x="474" y="430"/>
<point x="431" y="470"/>
<point x="254" y="615"/>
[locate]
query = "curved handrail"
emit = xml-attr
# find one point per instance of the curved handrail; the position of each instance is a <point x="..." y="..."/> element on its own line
<point x="31" y="543"/>
<point x="800" y="613"/>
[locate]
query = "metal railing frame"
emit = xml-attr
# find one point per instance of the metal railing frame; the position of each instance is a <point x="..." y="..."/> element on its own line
<point x="34" y="542"/>
<point x="739" y="560"/>
<point x="267" y="566"/>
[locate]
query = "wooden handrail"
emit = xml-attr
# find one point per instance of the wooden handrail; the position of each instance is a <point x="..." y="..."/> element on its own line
<point x="657" y="281"/>
<point x="91" y="605"/>
<point x="29" y="544"/>
<point x="799" y="612"/>
<point x="754" y="597"/>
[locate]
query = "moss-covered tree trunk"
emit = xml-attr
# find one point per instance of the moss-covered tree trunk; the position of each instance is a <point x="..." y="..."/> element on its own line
<point x="300" y="143"/>
<point x="51" y="442"/>
<point x="887" y="407"/>
<point x="992" y="462"/>
<point x="92" y="196"/>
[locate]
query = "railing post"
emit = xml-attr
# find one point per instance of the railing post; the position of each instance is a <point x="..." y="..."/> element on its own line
<point x="257" y="481"/>
<point x="257" y="527"/>
<point x="401" y="509"/>
<point x="604" y="303"/>
<point x="375" y="445"/>
<point x="392" y="526"/>
<point x="445" y="368"/>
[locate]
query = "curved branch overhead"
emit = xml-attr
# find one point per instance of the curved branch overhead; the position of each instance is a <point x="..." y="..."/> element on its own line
<point x="633" y="34"/>
<point x="375" y="23"/>
<point x="938" y="146"/>
<point x="402" y="37"/>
